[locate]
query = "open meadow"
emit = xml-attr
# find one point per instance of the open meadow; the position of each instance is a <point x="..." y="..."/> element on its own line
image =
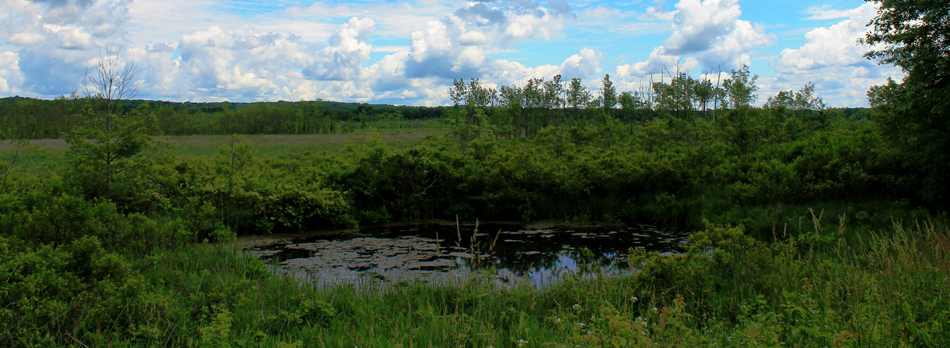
<point x="41" y="153"/>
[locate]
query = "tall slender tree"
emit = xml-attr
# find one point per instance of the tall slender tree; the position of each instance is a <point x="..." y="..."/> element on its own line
<point x="105" y="144"/>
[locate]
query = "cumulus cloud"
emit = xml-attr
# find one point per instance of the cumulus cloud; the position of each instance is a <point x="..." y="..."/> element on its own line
<point x="832" y="58"/>
<point x="53" y="40"/>
<point x="10" y="76"/>
<point x="584" y="64"/>
<point x="343" y="58"/>
<point x="51" y="43"/>
<point x="836" y="45"/>
<point x="327" y="52"/>
<point x="234" y="64"/>
<point x="26" y="38"/>
<point x="706" y="34"/>
<point x="473" y="38"/>
<point x="456" y="46"/>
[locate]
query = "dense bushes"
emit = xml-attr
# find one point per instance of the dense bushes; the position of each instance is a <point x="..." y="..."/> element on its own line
<point x="666" y="170"/>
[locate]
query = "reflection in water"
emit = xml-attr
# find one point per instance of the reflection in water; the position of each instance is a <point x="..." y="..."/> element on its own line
<point x="443" y="253"/>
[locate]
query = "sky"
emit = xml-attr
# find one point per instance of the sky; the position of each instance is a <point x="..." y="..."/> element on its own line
<point x="409" y="52"/>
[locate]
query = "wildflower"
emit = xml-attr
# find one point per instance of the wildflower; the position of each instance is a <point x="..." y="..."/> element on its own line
<point x="655" y="310"/>
<point x="581" y="324"/>
<point x="521" y="342"/>
<point x="557" y="321"/>
<point x="576" y="306"/>
<point x="633" y="298"/>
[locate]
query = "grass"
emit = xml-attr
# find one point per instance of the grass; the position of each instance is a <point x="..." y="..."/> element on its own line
<point x="275" y="145"/>
<point x="891" y="290"/>
<point x="888" y="288"/>
<point x="813" y="291"/>
<point x="42" y="154"/>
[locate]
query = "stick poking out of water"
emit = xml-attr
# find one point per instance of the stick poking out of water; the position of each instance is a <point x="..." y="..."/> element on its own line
<point x="458" y="231"/>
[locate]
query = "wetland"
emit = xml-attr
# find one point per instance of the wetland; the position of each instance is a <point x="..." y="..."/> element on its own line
<point x="448" y="253"/>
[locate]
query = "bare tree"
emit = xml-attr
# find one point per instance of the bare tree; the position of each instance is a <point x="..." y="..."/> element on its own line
<point x="113" y="80"/>
<point x="105" y="145"/>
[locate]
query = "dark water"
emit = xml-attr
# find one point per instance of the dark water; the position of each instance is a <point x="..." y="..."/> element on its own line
<point x="446" y="253"/>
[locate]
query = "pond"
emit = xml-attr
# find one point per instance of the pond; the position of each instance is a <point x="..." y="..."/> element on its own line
<point x="450" y="253"/>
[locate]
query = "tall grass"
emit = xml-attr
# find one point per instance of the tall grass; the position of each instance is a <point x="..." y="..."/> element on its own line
<point x="818" y="289"/>
<point x="828" y="285"/>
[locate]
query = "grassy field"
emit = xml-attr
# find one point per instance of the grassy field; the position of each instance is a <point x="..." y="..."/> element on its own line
<point x="42" y="153"/>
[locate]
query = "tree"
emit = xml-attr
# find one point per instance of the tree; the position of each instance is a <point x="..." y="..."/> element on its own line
<point x="577" y="95"/>
<point x="113" y="80"/>
<point x="803" y="100"/>
<point x="703" y="93"/>
<point x="458" y="92"/>
<point x="915" y="36"/>
<point x="740" y="89"/>
<point x="105" y="145"/>
<point x="608" y="93"/>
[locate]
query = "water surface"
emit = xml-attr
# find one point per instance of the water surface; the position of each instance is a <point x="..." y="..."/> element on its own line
<point x="448" y="253"/>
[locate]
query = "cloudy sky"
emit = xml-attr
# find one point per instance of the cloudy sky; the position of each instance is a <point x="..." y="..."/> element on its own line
<point x="408" y="52"/>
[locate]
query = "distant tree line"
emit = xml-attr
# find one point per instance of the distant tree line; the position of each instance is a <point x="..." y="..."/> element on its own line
<point x="506" y="111"/>
<point x="26" y="118"/>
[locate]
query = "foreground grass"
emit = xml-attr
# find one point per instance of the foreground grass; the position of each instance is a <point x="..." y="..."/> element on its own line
<point x="890" y="288"/>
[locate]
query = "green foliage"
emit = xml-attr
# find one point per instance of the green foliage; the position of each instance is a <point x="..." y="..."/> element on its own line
<point x="71" y="293"/>
<point x="914" y="113"/>
<point x="887" y="288"/>
<point x="103" y="151"/>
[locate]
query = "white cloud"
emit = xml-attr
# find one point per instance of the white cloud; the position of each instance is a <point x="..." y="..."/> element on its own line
<point x="202" y="50"/>
<point x="10" y="75"/>
<point x="343" y="59"/>
<point x="73" y="37"/>
<point x="473" y="38"/>
<point x="698" y="25"/>
<point x="192" y="50"/>
<point x="456" y="46"/>
<point x="836" y="45"/>
<point x="705" y="34"/>
<point x="832" y="58"/>
<point x="26" y="38"/>
<point x="390" y="72"/>
<point x="506" y="72"/>
<point x="822" y="12"/>
<point x="238" y="64"/>
<point x="585" y="64"/>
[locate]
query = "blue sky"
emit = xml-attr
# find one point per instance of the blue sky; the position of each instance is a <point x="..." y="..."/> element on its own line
<point x="408" y="52"/>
